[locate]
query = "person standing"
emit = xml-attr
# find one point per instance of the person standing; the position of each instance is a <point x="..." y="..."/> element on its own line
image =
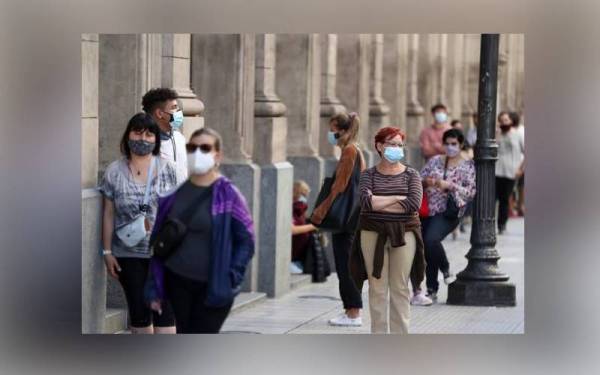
<point x="509" y="166"/>
<point x="389" y="234"/>
<point x="343" y="131"/>
<point x="205" y="271"/>
<point x="430" y="139"/>
<point x="161" y="104"/>
<point x="450" y="184"/>
<point x="518" y="125"/>
<point x="130" y="187"/>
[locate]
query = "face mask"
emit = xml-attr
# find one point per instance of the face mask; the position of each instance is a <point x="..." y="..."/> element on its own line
<point x="441" y="117"/>
<point x="199" y="162"/>
<point x="302" y="199"/>
<point x="393" y="154"/>
<point x="140" y="147"/>
<point x="505" y="128"/>
<point x="176" y="120"/>
<point x="332" y="138"/>
<point x="452" y="150"/>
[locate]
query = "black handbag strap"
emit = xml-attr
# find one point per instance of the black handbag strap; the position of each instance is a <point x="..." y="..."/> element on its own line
<point x="445" y="167"/>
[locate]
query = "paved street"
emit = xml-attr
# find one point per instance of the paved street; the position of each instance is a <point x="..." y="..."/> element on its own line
<point x="307" y="309"/>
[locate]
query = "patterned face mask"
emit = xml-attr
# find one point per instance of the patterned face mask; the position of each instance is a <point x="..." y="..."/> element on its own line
<point x="141" y="147"/>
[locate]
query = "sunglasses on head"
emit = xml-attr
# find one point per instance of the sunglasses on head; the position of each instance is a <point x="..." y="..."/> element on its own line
<point x="205" y="148"/>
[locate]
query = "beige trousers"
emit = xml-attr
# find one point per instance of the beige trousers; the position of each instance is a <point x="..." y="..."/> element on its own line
<point x="395" y="275"/>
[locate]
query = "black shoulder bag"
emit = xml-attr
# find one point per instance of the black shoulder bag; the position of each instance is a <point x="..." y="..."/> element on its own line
<point x="452" y="208"/>
<point x="345" y="209"/>
<point x="171" y="234"/>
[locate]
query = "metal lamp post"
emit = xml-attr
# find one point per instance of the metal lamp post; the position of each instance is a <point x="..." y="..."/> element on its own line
<point x="481" y="283"/>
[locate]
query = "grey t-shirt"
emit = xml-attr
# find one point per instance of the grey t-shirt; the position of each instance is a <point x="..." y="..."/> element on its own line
<point x="192" y="258"/>
<point x="119" y="186"/>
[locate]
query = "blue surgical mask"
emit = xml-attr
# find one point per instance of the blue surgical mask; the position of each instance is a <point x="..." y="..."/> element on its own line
<point x="441" y="117"/>
<point x="331" y="138"/>
<point x="393" y="154"/>
<point x="176" y="120"/>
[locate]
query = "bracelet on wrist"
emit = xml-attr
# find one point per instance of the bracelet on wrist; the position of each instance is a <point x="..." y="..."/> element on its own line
<point x="106" y="252"/>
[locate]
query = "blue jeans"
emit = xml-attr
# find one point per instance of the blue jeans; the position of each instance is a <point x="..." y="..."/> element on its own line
<point x="435" y="229"/>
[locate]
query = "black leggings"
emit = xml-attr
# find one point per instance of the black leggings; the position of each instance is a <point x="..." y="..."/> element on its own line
<point x="132" y="277"/>
<point x="342" y="245"/>
<point x="504" y="188"/>
<point x="187" y="298"/>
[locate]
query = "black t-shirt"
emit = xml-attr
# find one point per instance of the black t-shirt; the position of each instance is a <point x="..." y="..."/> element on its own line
<point x="192" y="258"/>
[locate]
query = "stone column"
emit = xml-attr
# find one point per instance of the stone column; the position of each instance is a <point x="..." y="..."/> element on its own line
<point x="223" y="76"/>
<point x="454" y="88"/>
<point x="176" y="67"/>
<point x="330" y="104"/>
<point x="298" y="84"/>
<point x="502" y="94"/>
<point x="378" y="109"/>
<point x="472" y="48"/>
<point x="93" y="273"/>
<point x="467" y="108"/>
<point x="512" y="69"/>
<point x="129" y="65"/>
<point x="414" y="110"/>
<point x="441" y="67"/>
<point x="395" y="73"/>
<point x="276" y="177"/>
<point x="520" y="74"/>
<point x="354" y="57"/>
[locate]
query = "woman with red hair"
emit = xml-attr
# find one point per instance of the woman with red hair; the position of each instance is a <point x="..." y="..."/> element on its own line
<point x="388" y="249"/>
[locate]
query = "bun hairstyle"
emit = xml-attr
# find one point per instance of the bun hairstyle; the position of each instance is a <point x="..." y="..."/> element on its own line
<point x="350" y="123"/>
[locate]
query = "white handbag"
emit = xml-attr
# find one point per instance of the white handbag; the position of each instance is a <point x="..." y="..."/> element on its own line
<point x="134" y="232"/>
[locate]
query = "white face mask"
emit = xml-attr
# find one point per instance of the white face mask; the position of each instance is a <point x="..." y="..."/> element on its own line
<point x="199" y="162"/>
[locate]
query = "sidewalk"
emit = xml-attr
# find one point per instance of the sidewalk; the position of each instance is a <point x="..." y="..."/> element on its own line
<point x="307" y="309"/>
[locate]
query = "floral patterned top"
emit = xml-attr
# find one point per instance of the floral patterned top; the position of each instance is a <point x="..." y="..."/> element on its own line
<point x="461" y="178"/>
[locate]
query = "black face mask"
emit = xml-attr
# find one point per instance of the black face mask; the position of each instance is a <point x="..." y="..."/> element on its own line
<point x="505" y="128"/>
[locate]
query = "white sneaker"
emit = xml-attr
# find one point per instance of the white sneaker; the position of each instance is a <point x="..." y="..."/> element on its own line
<point x="344" y="321"/>
<point x="421" y="300"/>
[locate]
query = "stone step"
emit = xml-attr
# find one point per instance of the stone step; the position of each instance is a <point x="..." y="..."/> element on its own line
<point x="115" y="320"/>
<point x="247" y="299"/>
<point x="297" y="281"/>
<point x="241" y="302"/>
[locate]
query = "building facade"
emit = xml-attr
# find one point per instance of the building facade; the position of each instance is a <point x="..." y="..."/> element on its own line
<point x="271" y="96"/>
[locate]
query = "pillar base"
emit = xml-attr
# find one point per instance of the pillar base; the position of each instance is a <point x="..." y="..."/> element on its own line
<point x="246" y="176"/>
<point x="275" y="246"/>
<point x="481" y="293"/>
<point x="93" y="272"/>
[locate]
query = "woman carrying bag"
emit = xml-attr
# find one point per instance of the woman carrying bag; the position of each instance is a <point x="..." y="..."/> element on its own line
<point x="203" y="241"/>
<point x="337" y="209"/>
<point x="130" y="187"/>
<point x="449" y="181"/>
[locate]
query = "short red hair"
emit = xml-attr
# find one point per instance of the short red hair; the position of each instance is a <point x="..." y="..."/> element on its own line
<point x="387" y="133"/>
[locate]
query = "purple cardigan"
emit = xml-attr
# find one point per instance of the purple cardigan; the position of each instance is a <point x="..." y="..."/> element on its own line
<point x="231" y="250"/>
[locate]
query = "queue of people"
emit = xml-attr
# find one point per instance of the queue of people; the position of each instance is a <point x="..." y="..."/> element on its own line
<point x="178" y="235"/>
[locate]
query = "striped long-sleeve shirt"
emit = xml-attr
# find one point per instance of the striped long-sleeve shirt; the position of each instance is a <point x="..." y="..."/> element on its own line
<point x="407" y="183"/>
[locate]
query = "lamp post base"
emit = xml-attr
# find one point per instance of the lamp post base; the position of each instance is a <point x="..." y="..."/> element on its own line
<point x="481" y="293"/>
